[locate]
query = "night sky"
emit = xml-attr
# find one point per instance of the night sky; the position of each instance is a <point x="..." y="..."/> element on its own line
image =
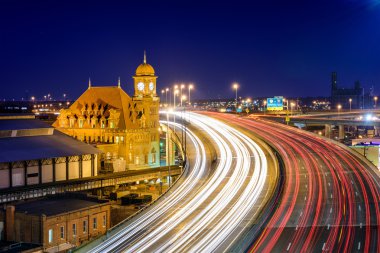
<point x="270" y="48"/>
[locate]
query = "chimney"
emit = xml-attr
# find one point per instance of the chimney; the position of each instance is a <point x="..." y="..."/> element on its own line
<point x="9" y="223"/>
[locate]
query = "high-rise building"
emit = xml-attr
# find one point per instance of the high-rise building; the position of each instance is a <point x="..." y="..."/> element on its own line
<point x="353" y="97"/>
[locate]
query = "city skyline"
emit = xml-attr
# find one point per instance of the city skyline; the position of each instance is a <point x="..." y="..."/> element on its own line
<point x="269" y="49"/>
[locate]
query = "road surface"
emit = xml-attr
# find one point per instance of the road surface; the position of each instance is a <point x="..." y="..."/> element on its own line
<point x="330" y="198"/>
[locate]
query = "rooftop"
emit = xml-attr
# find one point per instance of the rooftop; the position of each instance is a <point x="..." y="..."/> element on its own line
<point x="42" y="147"/>
<point x="56" y="205"/>
<point x="18" y="124"/>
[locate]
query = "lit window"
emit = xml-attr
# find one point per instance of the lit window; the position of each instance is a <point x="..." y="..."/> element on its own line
<point x="84" y="226"/>
<point x="94" y="224"/>
<point x="154" y="158"/>
<point x="137" y="160"/>
<point x="62" y="232"/>
<point x="104" y="220"/>
<point x="111" y="124"/>
<point x="81" y="123"/>
<point x="74" y="229"/>
<point x="72" y="122"/>
<point x="50" y="235"/>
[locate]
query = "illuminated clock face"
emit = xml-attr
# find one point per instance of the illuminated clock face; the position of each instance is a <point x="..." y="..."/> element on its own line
<point x="151" y="86"/>
<point x="140" y="86"/>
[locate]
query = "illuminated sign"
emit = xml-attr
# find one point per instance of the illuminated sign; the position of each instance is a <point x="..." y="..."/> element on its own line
<point x="275" y="104"/>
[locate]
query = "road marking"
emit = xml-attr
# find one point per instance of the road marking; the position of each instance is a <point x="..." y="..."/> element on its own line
<point x="329" y="184"/>
<point x="323" y="247"/>
<point x="306" y="185"/>
<point x="359" y="246"/>
<point x="296" y="227"/>
<point x="331" y="210"/>
<point x="360" y="208"/>
<point x="331" y="195"/>
<point x="361" y="225"/>
<point x="287" y="249"/>
<point x="356" y="194"/>
<point x="305" y="198"/>
<point x="301" y="214"/>
<point x="352" y="182"/>
<point x="328" y="226"/>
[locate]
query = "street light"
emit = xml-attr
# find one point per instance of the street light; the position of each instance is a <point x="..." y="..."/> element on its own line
<point x="190" y="88"/>
<point x="174" y="95"/>
<point x="375" y="98"/>
<point x="235" y="86"/>
<point x="182" y="87"/>
<point x="162" y="92"/>
<point x="265" y="103"/>
<point x="291" y="108"/>
<point x="350" y="100"/>
<point x="339" y="107"/>
<point x="168" y="144"/>
<point x="183" y="98"/>
<point x="166" y="99"/>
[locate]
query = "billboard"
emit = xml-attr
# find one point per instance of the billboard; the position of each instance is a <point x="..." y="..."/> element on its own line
<point x="275" y="104"/>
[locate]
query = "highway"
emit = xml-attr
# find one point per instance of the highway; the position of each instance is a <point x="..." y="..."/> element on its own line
<point x="212" y="205"/>
<point x="330" y="198"/>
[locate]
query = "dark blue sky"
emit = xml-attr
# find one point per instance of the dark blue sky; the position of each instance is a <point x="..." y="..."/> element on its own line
<point x="268" y="47"/>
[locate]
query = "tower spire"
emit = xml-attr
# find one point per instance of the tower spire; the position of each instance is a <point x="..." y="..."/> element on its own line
<point x="89" y="82"/>
<point x="144" y="57"/>
<point x="118" y="83"/>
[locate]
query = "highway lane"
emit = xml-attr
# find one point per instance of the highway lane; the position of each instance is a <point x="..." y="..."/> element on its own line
<point x="210" y="209"/>
<point x="330" y="199"/>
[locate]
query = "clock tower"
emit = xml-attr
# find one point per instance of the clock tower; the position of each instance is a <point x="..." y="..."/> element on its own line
<point x="145" y="81"/>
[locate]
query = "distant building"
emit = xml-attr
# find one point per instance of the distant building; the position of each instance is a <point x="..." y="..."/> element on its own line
<point x="343" y="96"/>
<point x="32" y="154"/>
<point x="57" y="223"/>
<point x="125" y="128"/>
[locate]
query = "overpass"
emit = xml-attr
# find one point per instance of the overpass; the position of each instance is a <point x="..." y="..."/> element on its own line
<point x="357" y="118"/>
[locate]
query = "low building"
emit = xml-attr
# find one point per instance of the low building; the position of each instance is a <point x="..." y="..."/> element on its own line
<point x="58" y="222"/>
<point x="33" y="153"/>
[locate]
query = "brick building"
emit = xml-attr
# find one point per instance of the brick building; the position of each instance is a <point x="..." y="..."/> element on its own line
<point x="59" y="222"/>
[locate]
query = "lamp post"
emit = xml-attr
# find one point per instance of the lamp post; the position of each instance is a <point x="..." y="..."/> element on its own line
<point x="375" y="98"/>
<point x="350" y="100"/>
<point x="182" y="87"/>
<point x="174" y="95"/>
<point x="265" y="103"/>
<point x="168" y="144"/>
<point x="339" y="107"/>
<point x="162" y="92"/>
<point x="166" y="98"/>
<point x="235" y="86"/>
<point x="291" y="108"/>
<point x="183" y="98"/>
<point x="190" y="88"/>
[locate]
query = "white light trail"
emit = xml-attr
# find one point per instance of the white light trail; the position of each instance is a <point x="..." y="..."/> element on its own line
<point x="207" y="215"/>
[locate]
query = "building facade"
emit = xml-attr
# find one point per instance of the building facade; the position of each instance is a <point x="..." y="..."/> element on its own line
<point x="57" y="223"/>
<point x="125" y="128"/>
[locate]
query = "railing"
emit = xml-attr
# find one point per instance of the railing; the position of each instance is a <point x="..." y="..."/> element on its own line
<point x="84" y="184"/>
